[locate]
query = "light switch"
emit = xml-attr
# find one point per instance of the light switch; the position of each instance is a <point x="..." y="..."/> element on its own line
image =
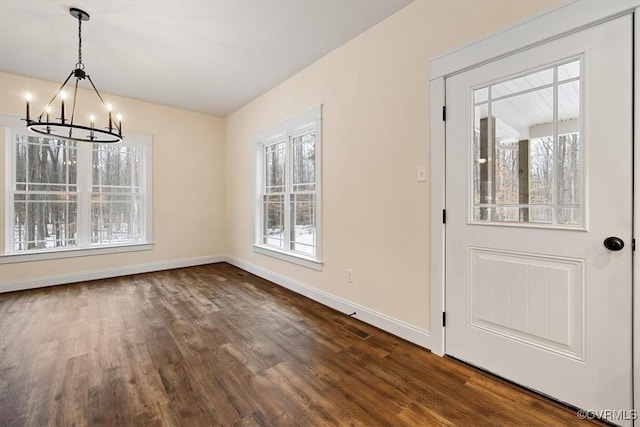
<point x="421" y="173"/>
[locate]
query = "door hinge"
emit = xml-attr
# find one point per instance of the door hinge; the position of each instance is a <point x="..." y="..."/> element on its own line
<point x="444" y="216"/>
<point x="633" y="244"/>
<point x="444" y="319"/>
<point x="444" y="113"/>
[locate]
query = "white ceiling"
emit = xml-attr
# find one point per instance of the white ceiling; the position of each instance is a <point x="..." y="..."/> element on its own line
<point x="209" y="56"/>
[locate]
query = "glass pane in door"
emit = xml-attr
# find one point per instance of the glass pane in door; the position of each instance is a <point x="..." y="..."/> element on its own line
<point x="527" y="155"/>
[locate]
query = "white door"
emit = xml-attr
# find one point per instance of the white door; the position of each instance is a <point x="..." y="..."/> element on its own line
<point x="538" y="175"/>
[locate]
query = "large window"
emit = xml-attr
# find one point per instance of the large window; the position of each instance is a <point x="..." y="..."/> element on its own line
<point x="288" y="199"/>
<point x="65" y="195"/>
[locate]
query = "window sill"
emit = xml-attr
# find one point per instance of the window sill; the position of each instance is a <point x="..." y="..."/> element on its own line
<point x="72" y="253"/>
<point x="289" y="257"/>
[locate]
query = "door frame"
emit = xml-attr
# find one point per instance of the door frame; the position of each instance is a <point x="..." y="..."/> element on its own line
<point x="569" y="17"/>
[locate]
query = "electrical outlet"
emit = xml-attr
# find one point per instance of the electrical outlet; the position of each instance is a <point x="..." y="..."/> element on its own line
<point x="349" y="275"/>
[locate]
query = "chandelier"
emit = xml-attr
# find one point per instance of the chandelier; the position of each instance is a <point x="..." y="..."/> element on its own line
<point x="66" y="127"/>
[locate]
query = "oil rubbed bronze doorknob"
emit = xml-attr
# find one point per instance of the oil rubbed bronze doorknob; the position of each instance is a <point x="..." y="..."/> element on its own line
<point x="613" y="243"/>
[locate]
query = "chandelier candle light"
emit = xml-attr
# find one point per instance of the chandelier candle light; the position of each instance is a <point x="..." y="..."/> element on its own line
<point x="65" y="128"/>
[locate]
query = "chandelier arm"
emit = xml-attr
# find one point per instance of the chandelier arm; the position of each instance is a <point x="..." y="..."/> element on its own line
<point x="96" y="89"/>
<point x="102" y="100"/>
<point x="73" y="109"/>
<point x="56" y="94"/>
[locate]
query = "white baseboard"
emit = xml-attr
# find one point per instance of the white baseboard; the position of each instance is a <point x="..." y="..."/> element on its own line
<point x="19" y="285"/>
<point x="396" y="327"/>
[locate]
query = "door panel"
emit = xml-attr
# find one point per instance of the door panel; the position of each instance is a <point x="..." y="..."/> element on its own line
<point x="538" y="174"/>
<point x="529" y="298"/>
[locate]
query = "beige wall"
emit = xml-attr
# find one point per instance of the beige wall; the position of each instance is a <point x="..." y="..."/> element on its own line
<point x="188" y="189"/>
<point x="375" y="93"/>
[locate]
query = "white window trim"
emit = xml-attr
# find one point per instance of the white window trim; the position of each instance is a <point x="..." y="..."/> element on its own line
<point x="14" y="125"/>
<point x="281" y="131"/>
<point x="292" y="257"/>
<point x="72" y="253"/>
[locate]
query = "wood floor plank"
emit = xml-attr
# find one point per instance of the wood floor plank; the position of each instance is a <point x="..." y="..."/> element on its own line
<point x="216" y="346"/>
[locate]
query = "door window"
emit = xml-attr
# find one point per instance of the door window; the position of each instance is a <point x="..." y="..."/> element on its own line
<point x="527" y="148"/>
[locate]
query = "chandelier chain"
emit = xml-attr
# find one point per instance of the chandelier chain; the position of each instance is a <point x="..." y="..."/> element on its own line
<point x="80" y="64"/>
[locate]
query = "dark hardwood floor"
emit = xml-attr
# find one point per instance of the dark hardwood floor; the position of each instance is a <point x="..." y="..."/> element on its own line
<point x="214" y="345"/>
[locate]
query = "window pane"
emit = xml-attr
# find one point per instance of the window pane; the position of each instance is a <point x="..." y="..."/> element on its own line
<point x="274" y="162"/>
<point x="541" y="176"/>
<point x="303" y="223"/>
<point x="527" y="155"/>
<point x="569" y="71"/>
<point x="21" y="164"/>
<point x="44" y="164"/>
<point x="524" y="83"/>
<point x="273" y="233"/>
<point x="44" y="221"/>
<point x="304" y="161"/>
<point x="481" y="95"/>
<point x="115" y="218"/>
<point x="116" y="169"/>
